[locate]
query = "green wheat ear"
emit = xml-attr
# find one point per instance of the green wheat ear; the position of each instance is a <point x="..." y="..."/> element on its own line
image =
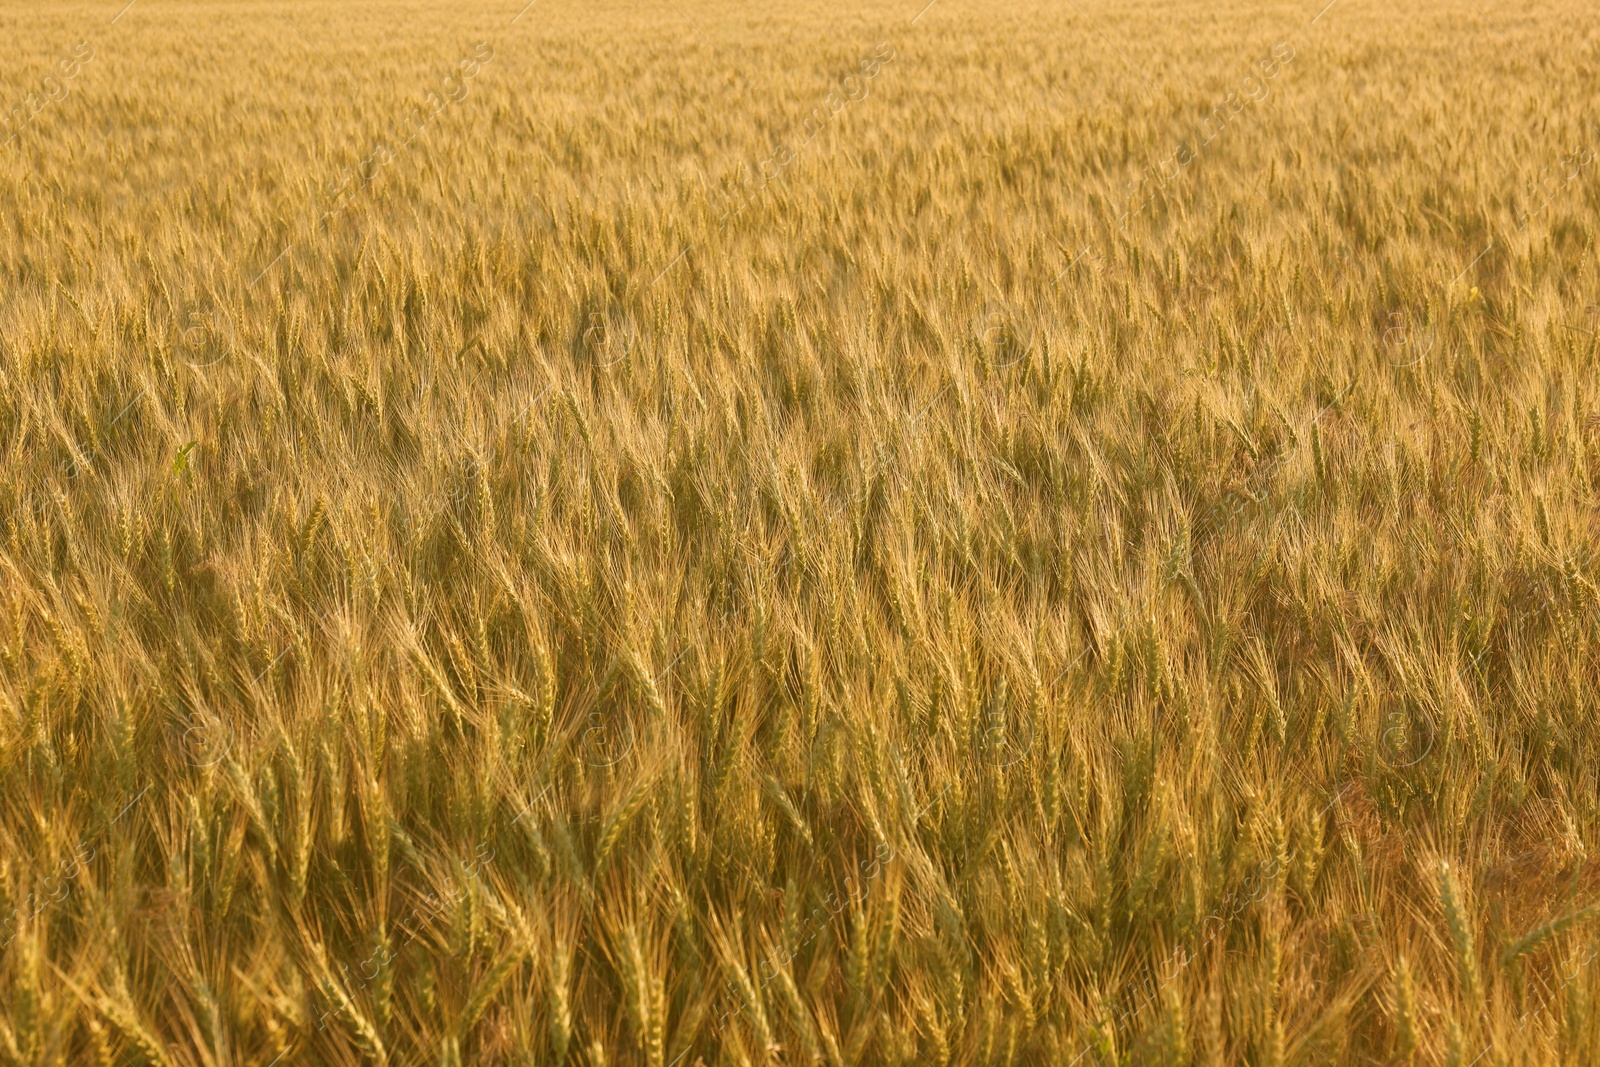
<point x="180" y="460"/>
<point x="1405" y="1010"/>
<point x="1462" y="939"/>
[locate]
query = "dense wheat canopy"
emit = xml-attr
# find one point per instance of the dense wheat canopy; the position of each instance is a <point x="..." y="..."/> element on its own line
<point x="692" y="532"/>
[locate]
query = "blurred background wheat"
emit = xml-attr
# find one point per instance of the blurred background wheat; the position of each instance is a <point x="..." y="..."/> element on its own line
<point x="698" y="532"/>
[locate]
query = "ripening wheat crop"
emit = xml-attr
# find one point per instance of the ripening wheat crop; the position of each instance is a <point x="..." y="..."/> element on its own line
<point x="706" y="533"/>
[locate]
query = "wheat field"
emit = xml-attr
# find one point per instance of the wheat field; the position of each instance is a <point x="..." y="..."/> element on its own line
<point x="700" y="533"/>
